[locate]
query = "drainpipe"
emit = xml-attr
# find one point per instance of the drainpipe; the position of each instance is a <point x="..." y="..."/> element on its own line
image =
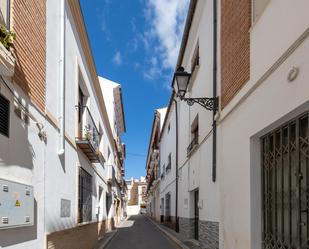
<point x="61" y="117"/>
<point x="214" y="124"/>
<point x="177" y="175"/>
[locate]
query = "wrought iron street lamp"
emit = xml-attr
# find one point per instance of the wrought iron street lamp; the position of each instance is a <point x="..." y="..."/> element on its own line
<point x="180" y="84"/>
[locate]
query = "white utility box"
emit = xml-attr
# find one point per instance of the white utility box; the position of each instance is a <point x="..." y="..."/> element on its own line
<point x="16" y="204"/>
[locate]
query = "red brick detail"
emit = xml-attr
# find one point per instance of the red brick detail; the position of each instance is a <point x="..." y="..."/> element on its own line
<point x="235" y="47"/>
<point x="29" y="23"/>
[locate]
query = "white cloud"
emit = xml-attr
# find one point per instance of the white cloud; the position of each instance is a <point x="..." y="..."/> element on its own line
<point x="166" y="19"/>
<point x="117" y="59"/>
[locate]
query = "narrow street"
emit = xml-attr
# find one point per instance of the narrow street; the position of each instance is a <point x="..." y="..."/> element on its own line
<point x="139" y="233"/>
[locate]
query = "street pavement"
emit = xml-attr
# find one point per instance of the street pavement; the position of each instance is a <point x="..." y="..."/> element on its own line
<point x="139" y="233"/>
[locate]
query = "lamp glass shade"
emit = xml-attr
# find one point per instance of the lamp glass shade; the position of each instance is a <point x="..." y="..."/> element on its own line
<point x="181" y="81"/>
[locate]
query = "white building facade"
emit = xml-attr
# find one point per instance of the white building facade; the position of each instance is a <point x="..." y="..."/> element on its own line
<point x="168" y="191"/>
<point x="254" y="195"/>
<point x="152" y="167"/>
<point x="262" y="146"/>
<point x="60" y="143"/>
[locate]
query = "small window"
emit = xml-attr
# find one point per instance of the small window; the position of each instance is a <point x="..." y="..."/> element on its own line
<point x="84" y="196"/>
<point x="4" y="116"/>
<point x="163" y="172"/>
<point x="108" y="153"/>
<point x="100" y="133"/>
<point x="169" y="164"/>
<point x="194" y="135"/>
<point x="195" y="61"/>
<point x="168" y="127"/>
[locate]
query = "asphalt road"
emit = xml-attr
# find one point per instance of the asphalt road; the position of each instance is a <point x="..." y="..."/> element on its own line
<point x="139" y="233"/>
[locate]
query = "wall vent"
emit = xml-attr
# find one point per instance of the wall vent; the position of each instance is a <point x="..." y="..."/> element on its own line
<point x="5" y="220"/>
<point x="27" y="192"/>
<point x="4" y="116"/>
<point x="27" y="219"/>
<point x="5" y="188"/>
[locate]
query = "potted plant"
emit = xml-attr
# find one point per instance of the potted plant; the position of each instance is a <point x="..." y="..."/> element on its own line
<point x="7" y="37"/>
<point x="7" y="60"/>
<point x="87" y="133"/>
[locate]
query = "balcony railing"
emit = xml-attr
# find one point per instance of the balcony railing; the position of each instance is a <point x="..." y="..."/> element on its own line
<point x="192" y="145"/>
<point x="110" y="173"/>
<point x="88" y="137"/>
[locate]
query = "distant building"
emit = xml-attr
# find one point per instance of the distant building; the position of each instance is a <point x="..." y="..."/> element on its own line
<point x="136" y="191"/>
<point x="153" y="167"/>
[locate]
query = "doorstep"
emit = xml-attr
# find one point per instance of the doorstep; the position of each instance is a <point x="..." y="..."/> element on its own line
<point x="176" y="237"/>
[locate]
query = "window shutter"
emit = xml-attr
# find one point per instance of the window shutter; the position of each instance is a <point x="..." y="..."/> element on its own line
<point x="4" y="116"/>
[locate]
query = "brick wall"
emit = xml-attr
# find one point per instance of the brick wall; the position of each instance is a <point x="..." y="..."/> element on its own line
<point x="235" y="47"/>
<point x="29" y="23"/>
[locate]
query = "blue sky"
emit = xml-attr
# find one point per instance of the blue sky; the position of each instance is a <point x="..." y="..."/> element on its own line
<point x="136" y="43"/>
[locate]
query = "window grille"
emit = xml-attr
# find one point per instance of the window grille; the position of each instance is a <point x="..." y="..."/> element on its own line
<point x="285" y="185"/>
<point x="169" y="164"/>
<point x="85" y="196"/>
<point x="4" y="116"/>
<point x="168" y="207"/>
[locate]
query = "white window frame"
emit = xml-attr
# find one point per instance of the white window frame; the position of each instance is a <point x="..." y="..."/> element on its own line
<point x="7" y="16"/>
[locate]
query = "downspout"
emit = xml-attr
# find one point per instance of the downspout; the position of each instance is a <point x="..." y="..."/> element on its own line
<point x="214" y="123"/>
<point x="177" y="175"/>
<point x="61" y="117"/>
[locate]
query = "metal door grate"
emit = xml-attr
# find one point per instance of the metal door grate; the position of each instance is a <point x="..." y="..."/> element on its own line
<point x="285" y="178"/>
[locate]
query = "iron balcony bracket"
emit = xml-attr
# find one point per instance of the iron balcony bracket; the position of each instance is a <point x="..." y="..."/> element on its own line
<point x="210" y="104"/>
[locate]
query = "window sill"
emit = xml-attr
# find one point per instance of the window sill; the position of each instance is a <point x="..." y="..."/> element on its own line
<point x="7" y="62"/>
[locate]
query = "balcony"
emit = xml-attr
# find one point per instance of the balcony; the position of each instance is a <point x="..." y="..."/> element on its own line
<point x="192" y="146"/>
<point x="7" y="62"/>
<point x="88" y="135"/>
<point x="110" y="174"/>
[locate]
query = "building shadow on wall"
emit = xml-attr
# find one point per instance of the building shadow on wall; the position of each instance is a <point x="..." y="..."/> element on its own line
<point x="18" y="151"/>
<point x="14" y="236"/>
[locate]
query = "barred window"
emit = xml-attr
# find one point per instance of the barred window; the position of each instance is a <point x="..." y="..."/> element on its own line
<point x="4" y="116"/>
<point x="84" y="196"/>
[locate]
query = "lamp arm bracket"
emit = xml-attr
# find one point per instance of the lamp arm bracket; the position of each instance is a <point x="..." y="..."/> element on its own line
<point x="210" y="104"/>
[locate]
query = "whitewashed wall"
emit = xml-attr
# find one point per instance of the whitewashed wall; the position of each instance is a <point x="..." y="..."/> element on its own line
<point x="22" y="161"/>
<point x="167" y="146"/>
<point x="196" y="171"/>
<point x="61" y="174"/>
<point x="262" y="105"/>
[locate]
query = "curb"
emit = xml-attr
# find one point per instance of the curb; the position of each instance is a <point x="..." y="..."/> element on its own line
<point x="115" y="232"/>
<point x="108" y="240"/>
<point x="169" y="235"/>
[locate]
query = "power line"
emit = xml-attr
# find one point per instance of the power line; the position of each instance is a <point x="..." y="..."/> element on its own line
<point x="135" y="154"/>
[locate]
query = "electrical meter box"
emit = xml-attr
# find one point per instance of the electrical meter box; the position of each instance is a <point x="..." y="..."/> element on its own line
<point x="16" y="205"/>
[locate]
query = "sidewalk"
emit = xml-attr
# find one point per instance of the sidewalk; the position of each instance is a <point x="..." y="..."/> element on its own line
<point x="176" y="237"/>
<point x="108" y="236"/>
